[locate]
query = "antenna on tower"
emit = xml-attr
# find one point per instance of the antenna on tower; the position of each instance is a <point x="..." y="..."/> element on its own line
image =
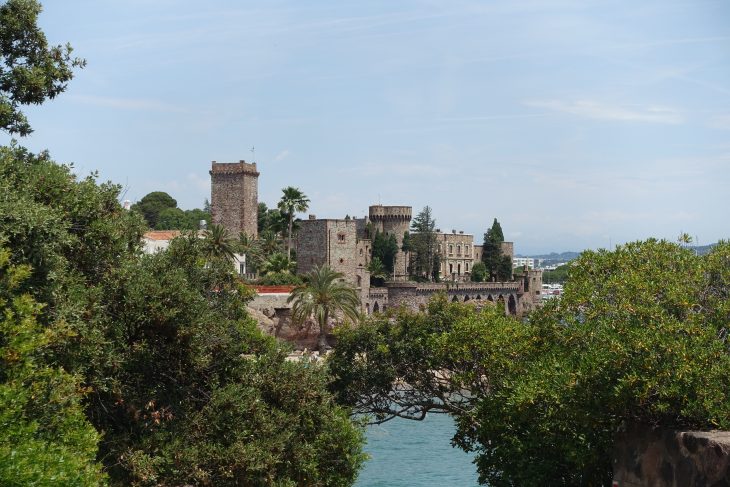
<point x="253" y="153"/>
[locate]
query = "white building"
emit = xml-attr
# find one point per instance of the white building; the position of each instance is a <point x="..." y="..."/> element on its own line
<point x="159" y="240"/>
<point x="523" y="261"/>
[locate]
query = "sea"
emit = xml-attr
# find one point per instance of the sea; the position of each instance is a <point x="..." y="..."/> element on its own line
<point x="406" y="453"/>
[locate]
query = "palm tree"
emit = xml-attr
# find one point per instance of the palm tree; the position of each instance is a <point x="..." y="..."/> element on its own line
<point x="277" y="262"/>
<point x="269" y="243"/>
<point x="324" y="295"/>
<point x="218" y="243"/>
<point x="291" y="202"/>
<point x="251" y="249"/>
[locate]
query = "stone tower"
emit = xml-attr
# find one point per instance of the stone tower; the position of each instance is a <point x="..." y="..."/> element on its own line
<point x="394" y="220"/>
<point x="234" y="200"/>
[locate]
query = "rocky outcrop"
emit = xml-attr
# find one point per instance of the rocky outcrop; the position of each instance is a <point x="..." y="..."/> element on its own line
<point x="653" y="457"/>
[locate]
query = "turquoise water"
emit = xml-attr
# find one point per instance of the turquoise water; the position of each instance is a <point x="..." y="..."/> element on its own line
<point x="407" y="453"/>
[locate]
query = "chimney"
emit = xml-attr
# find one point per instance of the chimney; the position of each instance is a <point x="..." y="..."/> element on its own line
<point x="203" y="224"/>
<point x="312" y="217"/>
<point x="453" y="231"/>
<point x="461" y="232"/>
<point x="127" y="204"/>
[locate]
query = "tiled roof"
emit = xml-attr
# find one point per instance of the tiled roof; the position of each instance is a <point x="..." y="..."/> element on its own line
<point x="162" y="234"/>
<point x="273" y="289"/>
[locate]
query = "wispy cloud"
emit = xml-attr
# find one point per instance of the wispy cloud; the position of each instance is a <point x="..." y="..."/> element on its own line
<point x="139" y="104"/>
<point x="720" y="122"/>
<point x="601" y="111"/>
<point x="281" y="155"/>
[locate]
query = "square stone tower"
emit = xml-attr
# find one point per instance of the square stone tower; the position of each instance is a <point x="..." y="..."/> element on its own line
<point x="234" y="197"/>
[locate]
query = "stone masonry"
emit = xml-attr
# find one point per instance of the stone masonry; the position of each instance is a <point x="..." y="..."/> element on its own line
<point x="335" y="243"/>
<point x="234" y="197"/>
<point x="650" y="457"/>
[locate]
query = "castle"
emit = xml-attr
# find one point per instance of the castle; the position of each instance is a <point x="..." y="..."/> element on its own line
<point x="345" y="245"/>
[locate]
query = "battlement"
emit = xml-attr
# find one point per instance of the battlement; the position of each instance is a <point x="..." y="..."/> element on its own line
<point x="240" y="167"/>
<point x="380" y="212"/>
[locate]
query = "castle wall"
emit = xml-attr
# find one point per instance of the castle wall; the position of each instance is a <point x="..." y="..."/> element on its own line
<point x="335" y="243"/>
<point x="234" y="197"/>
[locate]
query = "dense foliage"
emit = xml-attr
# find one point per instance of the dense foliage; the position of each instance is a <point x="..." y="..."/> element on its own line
<point x="385" y="250"/>
<point x="638" y="336"/>
<point x="160" y="211"/>
<point x="45" y="438"/>
<point x="176" y="375"/>
<point x="423" y="247"/>
<point x="498" y="265"/>
<point x="31" y="71"/>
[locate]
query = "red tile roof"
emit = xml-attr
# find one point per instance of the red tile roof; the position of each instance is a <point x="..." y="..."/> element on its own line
<point x="273" y="289"/>
<point x="162" y="234"/>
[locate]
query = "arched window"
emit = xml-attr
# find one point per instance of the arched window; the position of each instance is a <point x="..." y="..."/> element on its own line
<point x="451" y="268"/>
<point x="458" y="269"/>
<point x="466" y="250"/>
<point x="458" y="250"/>
<point x="467" y="267"/>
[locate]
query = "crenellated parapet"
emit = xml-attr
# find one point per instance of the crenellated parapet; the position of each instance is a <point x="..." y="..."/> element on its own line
<point x="240" y="167"/>
<point x="390" y="213"/>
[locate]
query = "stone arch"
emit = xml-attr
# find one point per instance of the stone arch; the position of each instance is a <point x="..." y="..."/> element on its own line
<point x="490" y="298"/>
<point x="376" y="308"/>
<point x="466" y="298"/>
<point x="479" y="297"/>
<point x="512" y="304"/>
<point x="455" y="299"/>
<point x="384" y="307"/>
<point x="367" y="308"/>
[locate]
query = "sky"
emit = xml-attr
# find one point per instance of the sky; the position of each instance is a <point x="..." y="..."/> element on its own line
<point x="577" y="123"/>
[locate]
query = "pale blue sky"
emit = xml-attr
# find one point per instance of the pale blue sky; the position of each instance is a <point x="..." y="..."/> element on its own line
<point x="575" y="123"/>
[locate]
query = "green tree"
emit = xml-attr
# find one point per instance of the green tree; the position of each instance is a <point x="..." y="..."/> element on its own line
<point x="385" y="249"/>
<point x="218" y="243"/>
<point x="162" y="345"/>
<point x="152" y="205"/>
<point x="378" y="272"/>
<point x="423" y="243"/>
<point x="31" y="71"/>
<point x="325" y="295"/>
<point x="292" y="201"/>
<point x="637" y="337"/>
<point x="479" y="272"/>
<point x="278" y="263"/>
<point x="45" y="438"/>
<point x="499" y="266"/>
<point x="251" y="248"/>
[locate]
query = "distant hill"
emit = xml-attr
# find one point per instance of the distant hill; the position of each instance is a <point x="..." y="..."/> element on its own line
<point x="567" y="256"/>
<point x="558" y="257"/>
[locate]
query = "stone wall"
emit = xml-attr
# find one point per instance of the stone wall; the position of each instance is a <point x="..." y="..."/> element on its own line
<point x="335" y="243"/>
<point x="652" y="457"/>
<point x="234" y="197"/>
<point x="417" y="295"/>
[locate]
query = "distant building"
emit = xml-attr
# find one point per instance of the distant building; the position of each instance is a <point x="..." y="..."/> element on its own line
<point x="523" y="261"/>
<point x="456" y="251"/>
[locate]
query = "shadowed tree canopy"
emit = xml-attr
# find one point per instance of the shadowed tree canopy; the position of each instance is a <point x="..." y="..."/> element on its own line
<point x="499" y="266"/>
<point x="31" y="71"/>
<point x="639" y="336"/>
<point x="153" y="204"/>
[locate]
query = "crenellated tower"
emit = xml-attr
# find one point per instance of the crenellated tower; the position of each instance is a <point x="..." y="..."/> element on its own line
<point x="234" y="197"/>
